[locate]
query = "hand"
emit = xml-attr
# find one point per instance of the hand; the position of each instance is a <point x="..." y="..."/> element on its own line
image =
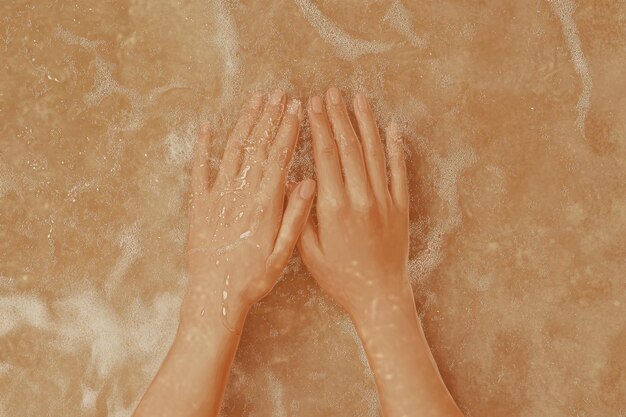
<point x="239" y="238"/>
<point x="359" y="250"/>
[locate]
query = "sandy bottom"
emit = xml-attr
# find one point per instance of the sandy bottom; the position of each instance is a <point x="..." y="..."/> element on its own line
<point x="515" y="118"/>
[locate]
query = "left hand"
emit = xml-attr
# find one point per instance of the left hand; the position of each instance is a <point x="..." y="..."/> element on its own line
<point x="240" y="240"/>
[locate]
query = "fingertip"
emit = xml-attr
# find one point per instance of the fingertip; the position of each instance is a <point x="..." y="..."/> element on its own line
<point x="334" y="95"/>
<point x="307" y="188"/>
<point x="277" y="97"/>
<point x="295" y="108"/>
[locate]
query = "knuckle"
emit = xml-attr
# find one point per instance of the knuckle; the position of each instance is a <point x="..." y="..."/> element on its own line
<point x="348" y="142"/>
<point x="364" y="203"/>
<point x="328" y="150"/>
<point x="332" y="204"/>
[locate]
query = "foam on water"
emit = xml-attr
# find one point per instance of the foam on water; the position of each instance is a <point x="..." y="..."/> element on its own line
<point x="346" y="46"/>
<point x="89" y="398"/>
<point x="18" y="310"/>
<point x="106" y="85"/>
<point x="400" y="18"/>
<point x="131" y="249"/>
<point x="446" y="179"/>
<point x="7" y="181"/>
<point x="72" y="39"/>
<point x="180" y="145"/>
<point x="226" y="39"/>
<point x="277" y="395"/>
<point x="86" y="319"/>
<point x="564" y="9"/>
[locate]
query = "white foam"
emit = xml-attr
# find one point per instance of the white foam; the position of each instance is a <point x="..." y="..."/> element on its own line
<point x="277" y="395"/>
<point x="446" y="178"/>
<point x="89" y="398"/>
<point x="18" y="310"/>
<point x="5" y="367"/>
<point x="81" y="187"/>
<point x="564" y="9"/>
<point x="87" y="320"/>
<point x="142" y="333"/>
<point x="400" y="19"/>
<point x="7" y="181"/>
<point x="131" y="249"/>
<point x="106" y="85"/>
<point x="481" y="282"/>
<point x="346" y="46"/>
<point x="72" y="39"/>
<point x="226" y="38"/>
<point x="180" y="145"/>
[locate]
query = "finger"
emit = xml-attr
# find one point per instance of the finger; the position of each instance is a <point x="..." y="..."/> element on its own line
<point x="281" y="150"/>
<point x="350" y="152"/>
<point x="200" y="168"/>
<point x="262" y="135"/>
<point x="234" y="147"/>
<point x="327" y="166"/>
<point x="398" y="183"/>
<point x="294" y="219"/>
<point x="309" y="246"/>
<point x="373" y="152"/>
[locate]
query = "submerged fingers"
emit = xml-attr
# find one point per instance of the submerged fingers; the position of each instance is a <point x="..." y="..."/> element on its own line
<point x="233" y="152"/>
<point x="325" y="153"/>
<point x="263" y="134"/>
<point x="373" y="152"/>
<point x="281" y="149"/>
<point x="398" y="182"/>
<point x="350" y="152"/>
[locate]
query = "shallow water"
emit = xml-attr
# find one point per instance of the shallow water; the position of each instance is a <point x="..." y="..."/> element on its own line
<point x="515" y="118"/>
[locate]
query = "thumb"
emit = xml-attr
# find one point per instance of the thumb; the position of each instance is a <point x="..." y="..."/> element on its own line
<point x="294" y="219"/>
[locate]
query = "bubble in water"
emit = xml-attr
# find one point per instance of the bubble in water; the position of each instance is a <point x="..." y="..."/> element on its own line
<point x="346" y="46"/>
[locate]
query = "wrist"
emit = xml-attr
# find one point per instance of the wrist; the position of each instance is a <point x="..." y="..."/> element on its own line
<point x="212" y="308"/>
<point x="205" y="338"/>
<point x="389" y="302"/>
<point x="212" y="317"/>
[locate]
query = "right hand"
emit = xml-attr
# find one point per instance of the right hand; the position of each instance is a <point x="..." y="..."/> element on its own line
<point x="359" y="251"/>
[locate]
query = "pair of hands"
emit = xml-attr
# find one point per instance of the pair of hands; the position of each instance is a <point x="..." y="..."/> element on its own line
<point x="241" y="237"/>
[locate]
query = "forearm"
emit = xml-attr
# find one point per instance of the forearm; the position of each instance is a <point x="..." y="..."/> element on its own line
<point x="406" y="375"/>
<point x="192" y="379"/>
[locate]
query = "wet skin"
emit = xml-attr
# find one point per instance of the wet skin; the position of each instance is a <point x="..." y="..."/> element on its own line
<point x="241" y="238"/>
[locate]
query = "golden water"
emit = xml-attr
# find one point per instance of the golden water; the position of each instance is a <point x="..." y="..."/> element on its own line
<point x="515" y="118"/>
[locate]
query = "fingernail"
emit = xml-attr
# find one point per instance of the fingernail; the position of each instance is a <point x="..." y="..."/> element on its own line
<point x="334" y="95"/>
<point x="361" y="102"/>
<point x="316" y="104"/>
<point x="294" y="108"/>
<point x="277" y="97"/>
<point x="307" y="188"/>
